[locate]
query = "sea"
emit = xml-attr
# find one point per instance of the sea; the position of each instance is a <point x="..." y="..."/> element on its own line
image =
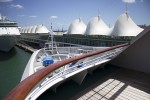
<point x="12" y="66"/>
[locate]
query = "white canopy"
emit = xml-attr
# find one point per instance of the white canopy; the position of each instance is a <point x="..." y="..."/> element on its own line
<point x="42" y="29"/>
<point x="96" y="27"/>
<point x="33" y="29"/>
<point x="125" y="26"/>
<point x="26" y="29"/>
<point x="77" y="27"/>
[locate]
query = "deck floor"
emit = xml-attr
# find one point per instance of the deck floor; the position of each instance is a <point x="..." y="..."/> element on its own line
<point x="121" y="85"/>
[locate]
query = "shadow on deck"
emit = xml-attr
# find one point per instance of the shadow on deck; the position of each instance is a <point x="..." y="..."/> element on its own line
<point x="123" y="84"/>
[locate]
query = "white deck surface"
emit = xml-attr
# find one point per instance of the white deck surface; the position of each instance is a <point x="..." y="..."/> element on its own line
<point x="122" y="85"/>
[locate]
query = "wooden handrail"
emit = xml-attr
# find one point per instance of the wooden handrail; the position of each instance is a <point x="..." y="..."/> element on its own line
<point x="23" y="88"/>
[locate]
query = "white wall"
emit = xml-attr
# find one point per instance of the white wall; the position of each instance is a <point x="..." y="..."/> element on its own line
<point x="137" y="55"/>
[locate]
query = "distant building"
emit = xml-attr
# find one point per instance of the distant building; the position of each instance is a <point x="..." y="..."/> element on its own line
<point x="96" y="26"/>
<point x="77" y="27"/>
<point x="125" y="26"/>
<point x="34" y="29"/>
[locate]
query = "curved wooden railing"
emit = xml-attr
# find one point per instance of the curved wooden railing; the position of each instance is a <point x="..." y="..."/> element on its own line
<point x="23" y="88"/>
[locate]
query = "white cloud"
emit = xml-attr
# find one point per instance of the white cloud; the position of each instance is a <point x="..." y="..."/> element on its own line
<point x="54" y="17"/>
<point x="5" y="0"/>
<point x="17" y="6"/>
<point x="21" y="15"/>
<point x="129" y="1"/>
<point x="142" y="0"/>
<point x="33" y="16"/>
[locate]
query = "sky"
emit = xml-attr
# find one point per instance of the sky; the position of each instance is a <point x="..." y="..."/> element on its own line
<point x="62" y="12"/>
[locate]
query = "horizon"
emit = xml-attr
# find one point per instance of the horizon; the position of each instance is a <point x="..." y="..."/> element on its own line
<point x="62" y="13"/>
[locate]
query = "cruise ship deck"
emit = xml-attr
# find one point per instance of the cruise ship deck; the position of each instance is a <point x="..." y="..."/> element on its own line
<point x="123" y="84"/>
<point x="129" y="82"/>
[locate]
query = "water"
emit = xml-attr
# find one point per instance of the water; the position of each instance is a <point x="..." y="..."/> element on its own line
<point x="12" y="65"/>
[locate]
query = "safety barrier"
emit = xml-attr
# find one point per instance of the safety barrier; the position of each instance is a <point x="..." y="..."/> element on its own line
<point x="23" y="89"/>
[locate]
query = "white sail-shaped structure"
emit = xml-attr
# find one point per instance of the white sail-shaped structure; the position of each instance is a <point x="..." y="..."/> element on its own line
<point x="29" y="29"/>
<point x="96" y="26"/>
<point x="26" y="29"/>
<point x="41" y="29"/>
<point x="77" y="27"/>
<point x="33" y="29"/>
<point x="22" y="29"/>
<point x="125" y="26"/>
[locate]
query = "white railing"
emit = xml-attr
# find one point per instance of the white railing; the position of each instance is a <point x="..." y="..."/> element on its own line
<point x="65" y="70"/>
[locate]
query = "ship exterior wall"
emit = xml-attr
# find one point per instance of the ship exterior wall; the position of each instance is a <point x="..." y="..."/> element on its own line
<point x="137" y="55"/>
<point x="7" y="43"/>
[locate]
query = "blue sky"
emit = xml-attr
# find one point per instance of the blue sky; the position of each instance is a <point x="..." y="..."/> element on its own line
<point x="63" y="12"/>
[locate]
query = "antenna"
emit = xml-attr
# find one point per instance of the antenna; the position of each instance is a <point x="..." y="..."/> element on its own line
<point x="79" y="18"/>
<point x="98" y="15"/>
<point x="51" y="26"/>
<point x="127" y="11"/>
<point x="126" y="7"/>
